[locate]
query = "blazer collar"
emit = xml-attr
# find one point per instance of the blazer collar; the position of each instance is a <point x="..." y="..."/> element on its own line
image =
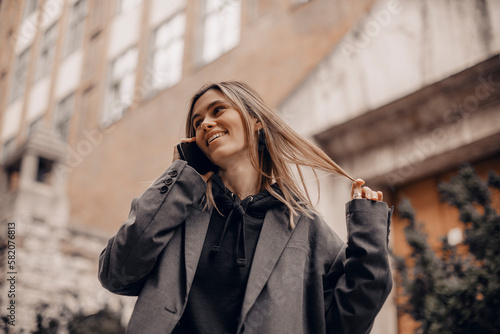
<point x="273" y="238"/>
<point x="196" y="227"/>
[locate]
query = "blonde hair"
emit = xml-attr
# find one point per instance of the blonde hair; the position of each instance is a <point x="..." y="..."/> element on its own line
<point x="284" y="148"/>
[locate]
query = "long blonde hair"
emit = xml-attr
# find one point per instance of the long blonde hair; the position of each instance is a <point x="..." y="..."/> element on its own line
<point x="284" y="148"/>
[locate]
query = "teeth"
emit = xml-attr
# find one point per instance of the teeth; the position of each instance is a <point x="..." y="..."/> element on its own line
<point x="215" y="136"/>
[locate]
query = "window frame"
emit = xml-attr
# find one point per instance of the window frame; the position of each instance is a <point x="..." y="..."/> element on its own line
<point x="154" y="80"/>
<point x="47" y="47"/>
<point x="114" y="109"/>
<point x="19" y="80"/>
<point x="76" y="26"/>
<point x="225" y="46"/>
<point x="63" y="114"/>
<point x="121" y="8"/>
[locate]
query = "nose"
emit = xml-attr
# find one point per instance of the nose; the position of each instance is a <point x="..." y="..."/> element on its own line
<point x="207" y="124"/>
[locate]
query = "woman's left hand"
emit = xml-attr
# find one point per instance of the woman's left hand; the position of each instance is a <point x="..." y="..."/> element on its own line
<point x="364" y="192"/>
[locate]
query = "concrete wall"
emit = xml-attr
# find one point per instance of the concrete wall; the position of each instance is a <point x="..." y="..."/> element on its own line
<point x="398" y="48"/>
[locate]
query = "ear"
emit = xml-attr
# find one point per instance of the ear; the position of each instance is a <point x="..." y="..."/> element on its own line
<point x="257" y="124"/>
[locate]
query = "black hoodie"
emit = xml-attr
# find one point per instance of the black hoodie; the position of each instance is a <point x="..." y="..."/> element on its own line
<point x="218" y="289"/>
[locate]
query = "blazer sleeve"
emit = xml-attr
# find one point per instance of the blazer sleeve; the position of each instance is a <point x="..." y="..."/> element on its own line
<point x="360" y="278"/>
<point x="131" y="254"/>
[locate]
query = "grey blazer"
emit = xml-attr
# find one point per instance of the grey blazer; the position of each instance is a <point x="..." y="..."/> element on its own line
<point x="305" y="280"/>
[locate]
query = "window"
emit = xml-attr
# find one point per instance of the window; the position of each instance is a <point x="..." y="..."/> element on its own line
<point x="35" y="125"/>
<point x="168" y="49"/>
<point x="121" y="86"/>
<point x="125" y="5"/>
<point x="13" y="173"/>
<point x="63" y="116"/>
<point x="76" y="27"/>
<point x="20" y="75"/>
<point x="47" y="52"/>
<point x="29" y="7"/>
<point x="44" y="170"/>
<point x="221" y="27"/>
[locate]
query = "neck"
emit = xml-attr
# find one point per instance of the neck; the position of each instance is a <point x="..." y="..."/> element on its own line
<point x="242" y="180"/>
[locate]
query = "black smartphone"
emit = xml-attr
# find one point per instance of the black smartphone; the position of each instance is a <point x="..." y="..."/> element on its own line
<point x="195" y="158"/>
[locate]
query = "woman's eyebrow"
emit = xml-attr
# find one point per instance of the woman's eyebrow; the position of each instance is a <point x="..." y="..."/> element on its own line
<point x="210" y="106"/>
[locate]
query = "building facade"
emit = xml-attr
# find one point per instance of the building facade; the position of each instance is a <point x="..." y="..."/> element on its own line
<point x="409" y="94"/>
<point x="93" y="96"/>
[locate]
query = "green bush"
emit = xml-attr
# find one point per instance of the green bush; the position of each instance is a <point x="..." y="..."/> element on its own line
<point x="449" y="291"/>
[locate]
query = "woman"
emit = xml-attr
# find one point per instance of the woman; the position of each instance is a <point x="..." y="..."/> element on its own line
<point x="242" y="249"/>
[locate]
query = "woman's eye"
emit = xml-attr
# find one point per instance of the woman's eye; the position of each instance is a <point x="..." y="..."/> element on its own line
<point x="197" y="124"/>
<point x="217" y="110"/>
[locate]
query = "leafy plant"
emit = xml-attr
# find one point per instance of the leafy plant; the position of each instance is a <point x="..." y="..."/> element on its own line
<point x="456" y="289"/>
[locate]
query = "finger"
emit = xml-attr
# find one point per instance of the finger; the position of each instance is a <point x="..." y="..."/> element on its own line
<point x="357" y="184"/>
<point x="176" y="155"/>
<point x="356" y="188"/>
<point x="356" y="193"/>
<point x="367" y="193"/>
<point x="380" y="195"/>
<point x="374" y="196"/>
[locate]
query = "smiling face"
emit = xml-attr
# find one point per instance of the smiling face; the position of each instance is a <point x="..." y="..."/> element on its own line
<point x="220" y="131"/>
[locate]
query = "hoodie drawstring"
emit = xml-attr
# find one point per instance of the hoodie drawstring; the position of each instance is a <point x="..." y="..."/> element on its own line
<point x="254" y="206"/>
<point x="237" y="213"/>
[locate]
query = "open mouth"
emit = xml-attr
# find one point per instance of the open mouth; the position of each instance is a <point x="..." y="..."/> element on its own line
<point x="215" y="136"/>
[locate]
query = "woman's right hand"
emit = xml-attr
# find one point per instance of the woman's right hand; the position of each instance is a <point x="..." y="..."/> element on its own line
<point x="177" y="156"/>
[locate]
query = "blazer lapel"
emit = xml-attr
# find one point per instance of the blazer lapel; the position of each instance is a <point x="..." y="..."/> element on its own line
<point x="195" y="231"/>
<point x="273" y="238"/>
